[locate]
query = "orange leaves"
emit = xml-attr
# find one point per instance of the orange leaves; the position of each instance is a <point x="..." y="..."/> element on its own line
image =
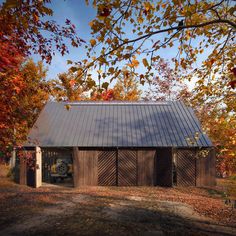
<point x="145" y="62"/>
<point x="93" y="42"/>
<point x="72" y="82"/>
<point x="134" y="63"/>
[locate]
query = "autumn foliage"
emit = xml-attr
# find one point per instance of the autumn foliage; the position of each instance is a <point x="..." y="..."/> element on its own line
<point x="127" y="41"/>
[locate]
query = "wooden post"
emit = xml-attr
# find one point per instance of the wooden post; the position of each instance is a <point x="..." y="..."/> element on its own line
<point x="38" y="167"/>
<point x="75" y="167"/>
<point x="23" y="172"/>
<point x="13" y="158"/>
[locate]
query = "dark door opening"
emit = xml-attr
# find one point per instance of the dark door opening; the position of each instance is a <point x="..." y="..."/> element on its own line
<point x="57" y="167"/>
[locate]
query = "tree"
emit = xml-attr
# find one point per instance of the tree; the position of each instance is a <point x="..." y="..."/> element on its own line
<point x="134" y="32"/>
<point x="22" y="96"/>
<point x="70" y="87"/>
<point x="221" y="127"/>
<point x="126" y="87"/>
<point x="166" y="84"/>
<point x="24" y="25"/>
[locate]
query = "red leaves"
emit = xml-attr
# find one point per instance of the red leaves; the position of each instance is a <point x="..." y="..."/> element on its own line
<point x="27" y="25"/>
<point x="234" y="71"/>
<point x="10" y="55"/>
<point x="233" y="84"/>
<point x="104" y="10"/>
<point x="108" y="95"/>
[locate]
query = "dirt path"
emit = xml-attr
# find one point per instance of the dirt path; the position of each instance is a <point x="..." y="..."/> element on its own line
<point x="82" y="214"/>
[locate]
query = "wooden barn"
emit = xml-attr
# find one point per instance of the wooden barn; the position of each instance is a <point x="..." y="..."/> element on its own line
<point x="120" y="144"/>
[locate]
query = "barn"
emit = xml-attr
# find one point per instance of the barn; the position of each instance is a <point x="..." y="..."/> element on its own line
<point x="119" y="144"/>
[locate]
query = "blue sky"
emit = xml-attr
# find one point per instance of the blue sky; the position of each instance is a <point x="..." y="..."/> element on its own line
<point x="80" y="14"/>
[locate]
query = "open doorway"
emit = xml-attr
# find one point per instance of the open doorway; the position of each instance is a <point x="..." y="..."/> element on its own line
<point x="57" y="166"/>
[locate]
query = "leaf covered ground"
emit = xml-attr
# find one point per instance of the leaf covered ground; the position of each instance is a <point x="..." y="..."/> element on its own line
<point x="54" y="210"/>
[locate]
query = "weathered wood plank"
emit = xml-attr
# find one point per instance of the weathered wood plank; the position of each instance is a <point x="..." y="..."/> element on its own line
<point x="206" y="170"/>
<point x="85" y="167"/>
<point x="145" y="167"/>
<point x="23" y="172"/>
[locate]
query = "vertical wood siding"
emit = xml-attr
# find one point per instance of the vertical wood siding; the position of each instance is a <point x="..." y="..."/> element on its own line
<point x="114" y="168"/>
<point x="164" y="167"/>
<point x="206" y="170"/>
<point x="146" y="167"/>
<point x="85" y="167"/>
<point x="23" y="172"/>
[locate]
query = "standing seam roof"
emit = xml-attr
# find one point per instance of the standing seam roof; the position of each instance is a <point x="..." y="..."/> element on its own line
<point x="116" y="124"/>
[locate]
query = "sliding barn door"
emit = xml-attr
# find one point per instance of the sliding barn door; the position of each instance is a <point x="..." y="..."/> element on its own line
<point x="117" y="168"/>
<point x="127" y="168"/>
<point x="186" y="168"/>
<point x="107" y="170"/>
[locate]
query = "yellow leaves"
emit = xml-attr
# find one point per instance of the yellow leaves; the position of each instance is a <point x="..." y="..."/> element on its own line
<point x="140" y="19"/>
<point x="145" y="62"/>
<point x="188" y="34"/>
<point x="102" y="59"/>
<point x="67" y="106"/>
<point x="209" y="62"/>
<point x="93" y="42"/>
<point x="91" y="24"/>
<point x="99" y="71"/>
<point x="183" y="64"/>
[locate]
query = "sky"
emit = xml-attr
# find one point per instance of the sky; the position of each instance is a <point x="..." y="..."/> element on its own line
<point x="80" y="15"/>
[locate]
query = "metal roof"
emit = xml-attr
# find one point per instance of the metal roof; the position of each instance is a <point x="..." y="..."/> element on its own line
<point x="116" y="124"/>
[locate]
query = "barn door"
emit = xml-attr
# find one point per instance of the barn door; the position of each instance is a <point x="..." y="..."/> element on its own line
<point x="127" y="168"/>
<point x="186" y="168"/>
<point x="107" y="170"/>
